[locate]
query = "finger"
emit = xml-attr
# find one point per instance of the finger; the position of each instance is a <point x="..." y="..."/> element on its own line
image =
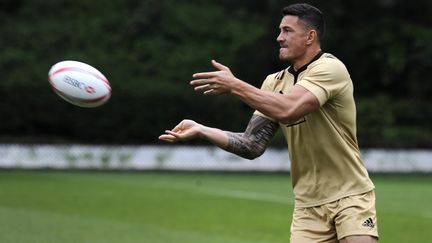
<point x="176" y="129"/>
<point x="202" y="87"/>
<point x="201" y="81"/>
<point x="212" y="92"/>
<point x="167" y="138"/>
<point x="204" y="75"/>
<point x="170" y="137"/>
<point x="172" y="133"/>
<point x="219" y="66"/>
<point x="209" y="92"/>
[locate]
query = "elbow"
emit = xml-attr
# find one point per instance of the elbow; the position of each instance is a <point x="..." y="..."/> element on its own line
<point x="253" y="153"/>
<point x="251" y="156"/>
<point x="248" y="146"/>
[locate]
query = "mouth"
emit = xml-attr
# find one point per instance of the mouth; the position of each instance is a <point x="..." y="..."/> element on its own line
<point x="282" y="48"/>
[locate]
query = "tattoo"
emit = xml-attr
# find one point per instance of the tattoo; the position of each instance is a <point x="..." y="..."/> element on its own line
<point x="253" y="142"/>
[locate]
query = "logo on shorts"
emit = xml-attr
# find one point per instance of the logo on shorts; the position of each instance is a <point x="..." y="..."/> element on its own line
<point x="369" y="223"/>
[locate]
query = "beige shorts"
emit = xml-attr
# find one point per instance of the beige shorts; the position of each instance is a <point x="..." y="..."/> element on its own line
<point x="353" y="215"/>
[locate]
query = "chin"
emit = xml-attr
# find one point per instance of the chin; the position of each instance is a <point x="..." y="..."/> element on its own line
<point x="285" y="58"/>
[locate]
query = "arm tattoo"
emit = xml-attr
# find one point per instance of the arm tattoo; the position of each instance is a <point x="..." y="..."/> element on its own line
<point x="253" y="142"/>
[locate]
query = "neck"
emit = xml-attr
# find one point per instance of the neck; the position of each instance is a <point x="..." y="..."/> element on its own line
<point x="306" y="58"/>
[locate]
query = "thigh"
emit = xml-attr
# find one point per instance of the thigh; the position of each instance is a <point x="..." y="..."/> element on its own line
<point x="357" y="217"/>
<point x="312" y="225"/>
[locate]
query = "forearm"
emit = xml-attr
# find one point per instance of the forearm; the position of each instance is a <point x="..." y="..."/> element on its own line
<point x="285" y="108"/>
<point x="254" y="141"/>
<point x="250" y="144"/>
<point x="215" y="136"/>
<point x="236" y="143"/>
<point x="245" y="147"/>
<point x="271" y="104"/>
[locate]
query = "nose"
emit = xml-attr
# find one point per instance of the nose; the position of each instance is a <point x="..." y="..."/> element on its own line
<point x="280" y="38"/>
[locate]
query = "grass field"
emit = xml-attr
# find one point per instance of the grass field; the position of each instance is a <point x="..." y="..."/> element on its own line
<point x="45" y="207"/>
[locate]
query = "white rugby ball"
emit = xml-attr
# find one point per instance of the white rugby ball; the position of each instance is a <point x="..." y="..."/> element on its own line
<point x="79" y="83"/>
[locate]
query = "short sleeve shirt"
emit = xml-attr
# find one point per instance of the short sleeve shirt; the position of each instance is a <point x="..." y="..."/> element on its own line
<point x="326" y="163"/>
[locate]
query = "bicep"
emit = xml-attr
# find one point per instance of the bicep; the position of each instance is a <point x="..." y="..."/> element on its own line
<point x="302" y="102"/>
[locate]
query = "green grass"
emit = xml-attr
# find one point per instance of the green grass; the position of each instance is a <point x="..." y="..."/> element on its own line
<point x="45" y="207"/>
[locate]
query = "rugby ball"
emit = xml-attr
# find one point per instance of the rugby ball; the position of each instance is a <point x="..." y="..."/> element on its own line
<point x="79" y="83"/>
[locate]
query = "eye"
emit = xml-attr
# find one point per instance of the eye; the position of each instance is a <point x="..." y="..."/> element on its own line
<point x="286" y="29"/>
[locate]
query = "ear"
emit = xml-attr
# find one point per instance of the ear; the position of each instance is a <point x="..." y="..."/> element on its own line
<point x="311" y="37"/>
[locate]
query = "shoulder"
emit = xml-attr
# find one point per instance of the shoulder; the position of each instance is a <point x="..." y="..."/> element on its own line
<point x="330" y="58"/>
<point x="326" y="78"/>
<point x="330" y="65"/>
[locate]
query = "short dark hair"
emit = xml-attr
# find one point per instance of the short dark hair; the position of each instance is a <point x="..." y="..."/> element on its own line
<point x="311" y="16"/>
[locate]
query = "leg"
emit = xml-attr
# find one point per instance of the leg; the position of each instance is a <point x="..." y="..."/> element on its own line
<point x="311" y="225"/>
<point x="359" y="239"/>
<point x="356" y="220"/>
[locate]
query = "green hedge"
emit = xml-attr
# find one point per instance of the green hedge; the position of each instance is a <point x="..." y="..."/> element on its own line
<point x="149" y="49"/>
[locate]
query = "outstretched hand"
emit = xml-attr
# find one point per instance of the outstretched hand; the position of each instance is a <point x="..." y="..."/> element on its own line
<point x="185" y="130"/>
<point x="215" y="82"/>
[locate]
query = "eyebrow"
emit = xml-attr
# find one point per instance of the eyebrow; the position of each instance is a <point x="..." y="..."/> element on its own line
<point x="285" y="27"/>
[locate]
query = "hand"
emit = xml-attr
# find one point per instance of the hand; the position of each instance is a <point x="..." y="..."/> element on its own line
<point x="185" y="130"/>
<point x="216" y="82"/>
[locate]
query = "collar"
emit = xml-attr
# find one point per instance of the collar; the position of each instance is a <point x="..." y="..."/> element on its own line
<point x="296" y="73"/>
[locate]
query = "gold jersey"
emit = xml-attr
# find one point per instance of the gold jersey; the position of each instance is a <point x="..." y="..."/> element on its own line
<point x="326" y="164"/>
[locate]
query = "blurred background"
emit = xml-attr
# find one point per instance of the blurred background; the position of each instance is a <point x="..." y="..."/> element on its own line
<point x="149" y="49"/>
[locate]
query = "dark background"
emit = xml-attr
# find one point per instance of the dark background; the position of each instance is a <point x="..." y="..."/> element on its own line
<point x="149" y="49"/>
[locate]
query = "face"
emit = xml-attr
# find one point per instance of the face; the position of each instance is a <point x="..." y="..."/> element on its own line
<point x="293" y="39"/>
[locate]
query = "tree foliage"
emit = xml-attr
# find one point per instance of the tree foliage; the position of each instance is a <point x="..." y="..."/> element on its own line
<point x="148" y="50"/>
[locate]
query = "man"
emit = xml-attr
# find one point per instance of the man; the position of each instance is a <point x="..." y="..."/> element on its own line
<point x="312" y="102"/>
